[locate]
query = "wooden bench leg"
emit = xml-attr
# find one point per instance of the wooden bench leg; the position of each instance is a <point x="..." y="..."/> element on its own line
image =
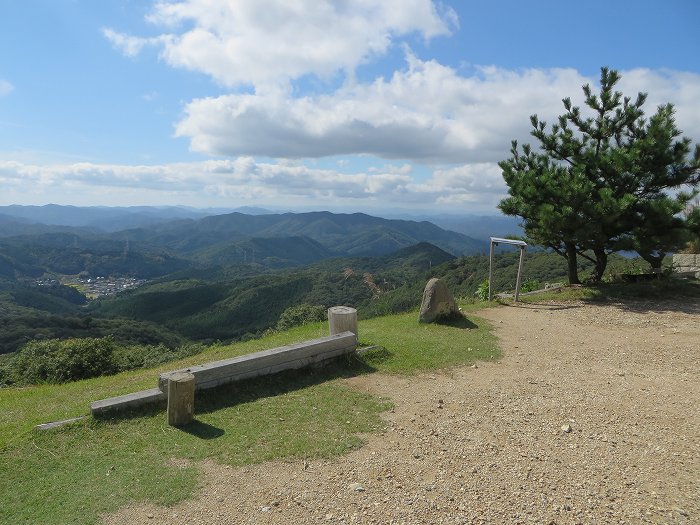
<point x="180" y="399"/>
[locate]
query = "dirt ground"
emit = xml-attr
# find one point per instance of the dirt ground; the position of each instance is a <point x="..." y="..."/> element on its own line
<point x="592" y="416"/>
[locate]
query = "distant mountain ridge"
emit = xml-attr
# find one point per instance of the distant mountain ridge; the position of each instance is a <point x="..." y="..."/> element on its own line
<point x="102" y="218"/>
<point x="266" y="241"/>
<point x="355" y="234"/>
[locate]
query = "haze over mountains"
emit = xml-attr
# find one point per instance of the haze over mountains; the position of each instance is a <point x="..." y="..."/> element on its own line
<point x="150" y="276"/>
<point x="146" y="242"/>
<point x="113" y="219"/>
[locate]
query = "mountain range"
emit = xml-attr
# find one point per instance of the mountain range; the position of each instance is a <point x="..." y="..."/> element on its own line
<point x="75" y="240"/>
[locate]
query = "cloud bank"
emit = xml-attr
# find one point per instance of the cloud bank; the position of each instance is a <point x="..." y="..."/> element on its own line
<point x="246" y="181"/>
<point x="452" y="122"/>
<point x="425" y="112"/>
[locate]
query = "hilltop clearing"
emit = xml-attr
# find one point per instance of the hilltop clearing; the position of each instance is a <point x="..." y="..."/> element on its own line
<point x="590" y="417"/>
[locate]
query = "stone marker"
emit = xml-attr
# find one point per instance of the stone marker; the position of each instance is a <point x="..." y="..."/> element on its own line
<point x="438" y="302"/>
<point x="342" y="319"/>
<point x="180" y="399"/>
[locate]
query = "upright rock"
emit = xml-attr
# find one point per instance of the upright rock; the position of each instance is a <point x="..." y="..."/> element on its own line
<point x="438" y="302"/>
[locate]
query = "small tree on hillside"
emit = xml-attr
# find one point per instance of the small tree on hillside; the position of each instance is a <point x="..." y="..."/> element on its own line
<point x="600" y="180"/>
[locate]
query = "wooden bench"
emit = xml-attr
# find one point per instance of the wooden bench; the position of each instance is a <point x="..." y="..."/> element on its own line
<point x="316" y="351"/>
<point x="215" y="373"/>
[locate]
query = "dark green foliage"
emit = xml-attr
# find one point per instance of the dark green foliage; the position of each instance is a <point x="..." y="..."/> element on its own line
<point x="71" y="254"/>
<point x="348" y="234"/>
<point x="467" y="275"/>
<point x="165" y="302"/>
<point x="19" y="326"/>
<point x="56" y="361"/>
<point x="530" y="286"/>
<point x="10" y="268"/>
<point x="482" y="292"/>
<point x="603" y="179"/>
<point x="659" y="230"/>
<point x="63" y="360"/>
<point x="273" y="252"/>
<point x="301" y="314"/>
<point x="402" y="299"/>
<point x="230" y="310"/>
<point x="137" y="356"/>
<point x="55" y="299"/>
<point x="233" y="309"/>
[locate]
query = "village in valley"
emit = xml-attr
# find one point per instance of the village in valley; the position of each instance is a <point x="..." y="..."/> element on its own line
<point x="94" y="287"/>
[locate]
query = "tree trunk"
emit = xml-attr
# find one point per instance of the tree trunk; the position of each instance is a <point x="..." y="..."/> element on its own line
<point x="653" y="260"/>
<point x="601" y="262"/>
<point x="571" y="263"/>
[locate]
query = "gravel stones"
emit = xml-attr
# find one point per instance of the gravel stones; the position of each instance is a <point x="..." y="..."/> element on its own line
<point x="497" y="452"/>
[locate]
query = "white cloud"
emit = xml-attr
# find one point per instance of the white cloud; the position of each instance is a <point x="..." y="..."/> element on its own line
<point x="427" y="113"/>
<point x="680" y="88"/>
<point x="245" y="181"/>
<point x="5" y="87"/>
<point x="130" y="45"/>
<point x="263" y="43"/>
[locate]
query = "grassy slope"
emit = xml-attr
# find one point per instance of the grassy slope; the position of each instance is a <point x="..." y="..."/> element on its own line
<point x="76" y="473"/>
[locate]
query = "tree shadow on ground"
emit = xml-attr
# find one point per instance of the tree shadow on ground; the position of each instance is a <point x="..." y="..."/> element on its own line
<point x="658" y="296"/>
<point x="531" y="305"/>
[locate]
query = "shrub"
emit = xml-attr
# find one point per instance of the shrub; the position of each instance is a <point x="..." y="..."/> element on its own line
<point x="530" y="286"/>
<point x="138" y="356"/>
<point x="60" y="361"/>
<point x="56" y="361"/>
<point x="482" y="292"/>
<point x="301" y="314"/>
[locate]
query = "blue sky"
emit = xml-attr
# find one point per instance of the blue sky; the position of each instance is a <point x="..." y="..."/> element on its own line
<point x="366" y="105"/>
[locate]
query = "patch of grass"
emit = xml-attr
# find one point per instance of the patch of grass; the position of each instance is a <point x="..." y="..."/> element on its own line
<point x="78" y="472"/>
<point x="656" y="289"/>
<point x="405" y="346"/>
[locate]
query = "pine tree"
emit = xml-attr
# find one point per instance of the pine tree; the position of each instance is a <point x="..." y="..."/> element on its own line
<point x="602" y="181"/>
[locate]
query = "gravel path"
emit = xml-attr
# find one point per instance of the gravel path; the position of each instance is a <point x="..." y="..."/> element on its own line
<point x="592" y="416"/>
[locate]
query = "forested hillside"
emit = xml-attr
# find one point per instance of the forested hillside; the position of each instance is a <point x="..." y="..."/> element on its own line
<point x="229" y="277"/>
<point x="29" y="249"/>
<point x="341" y="234"/>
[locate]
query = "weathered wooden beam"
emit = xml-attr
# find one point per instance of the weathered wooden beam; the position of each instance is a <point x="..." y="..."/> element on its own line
<point x="144" y="397"/>
<point x="210" y="375"/>
<point x="57" y="424"/>
<point x="299" y="355"/>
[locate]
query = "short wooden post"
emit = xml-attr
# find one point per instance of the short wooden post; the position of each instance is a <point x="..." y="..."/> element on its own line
<point x="342" y="319"/>
<point x="180" y="399"/>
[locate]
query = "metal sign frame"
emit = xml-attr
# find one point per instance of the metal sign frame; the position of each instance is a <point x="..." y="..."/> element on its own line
<point x="495" y="241"/>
